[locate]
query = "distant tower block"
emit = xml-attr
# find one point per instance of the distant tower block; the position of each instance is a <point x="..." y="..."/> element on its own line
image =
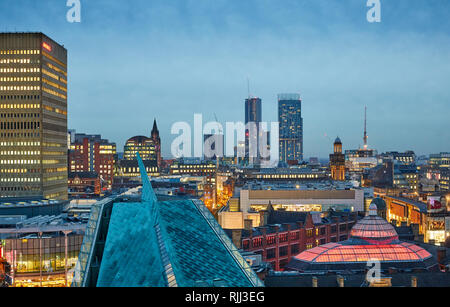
<point x="337" y="162"/>
<point x="291" y="127"/>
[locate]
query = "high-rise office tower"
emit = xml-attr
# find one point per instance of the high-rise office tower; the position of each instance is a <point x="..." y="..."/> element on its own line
<point x="291" y="127"/>
<point x="33" y="116"/>
<point x="253" y="115"/>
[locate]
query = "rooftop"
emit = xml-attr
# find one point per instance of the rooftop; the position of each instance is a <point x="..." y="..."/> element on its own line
<point x="11" y="203"/>
<point x="19" y="224"/>
<point x="400" y="279"/>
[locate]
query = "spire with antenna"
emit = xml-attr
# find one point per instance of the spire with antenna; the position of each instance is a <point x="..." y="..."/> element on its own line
<point x="365" y="128"/>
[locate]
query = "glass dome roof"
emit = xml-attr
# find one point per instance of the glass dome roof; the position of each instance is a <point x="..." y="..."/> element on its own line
<point x="372" y="238"/>
<point x="374" y="229"/>
<point x="333" y="252"/>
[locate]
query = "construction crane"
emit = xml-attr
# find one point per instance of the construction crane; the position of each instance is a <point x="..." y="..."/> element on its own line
<point x="220" y="132"/>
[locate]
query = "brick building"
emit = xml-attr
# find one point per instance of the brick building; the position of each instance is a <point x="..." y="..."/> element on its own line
<point x="84" y="184"/>
<point x="91" y="153"/>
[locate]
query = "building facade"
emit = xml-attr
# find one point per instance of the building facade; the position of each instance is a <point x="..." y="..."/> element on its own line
<point x="291" y="127"/>
<point x="440" y="160"/>
<point x="408" y="157"/>
<point x="41" y="256"/>
<point x="86" y="184"/>
<point x="92" y="154"/>
<point x="193" y="168"/>
<point x="33" y="116"/>
<point x="144" y="145"/>
<point x="302" y="200"/>
<point x="150" y="151"/>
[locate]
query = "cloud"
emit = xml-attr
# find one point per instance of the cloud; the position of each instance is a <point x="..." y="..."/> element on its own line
<point x="131" y="61"/>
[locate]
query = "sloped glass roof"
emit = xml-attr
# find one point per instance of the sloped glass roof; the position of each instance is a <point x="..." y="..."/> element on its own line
<point x="196" y="251"/>
<point x="172" y="243"/>
<point x="132" y="257"/>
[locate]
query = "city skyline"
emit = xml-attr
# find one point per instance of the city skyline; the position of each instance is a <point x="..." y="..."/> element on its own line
<point x="224" y="144"/>
<point x="394" y="67"/>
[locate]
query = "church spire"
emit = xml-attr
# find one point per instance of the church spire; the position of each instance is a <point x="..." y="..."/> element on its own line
<point x="155" y="128"/>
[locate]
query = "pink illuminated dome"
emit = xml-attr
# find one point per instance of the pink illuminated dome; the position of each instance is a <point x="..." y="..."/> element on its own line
<point x="374" y="229"/>
<point x="372" y="238"/>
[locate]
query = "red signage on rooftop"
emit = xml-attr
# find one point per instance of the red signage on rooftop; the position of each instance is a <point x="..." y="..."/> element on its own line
<point x="47" y="46"/>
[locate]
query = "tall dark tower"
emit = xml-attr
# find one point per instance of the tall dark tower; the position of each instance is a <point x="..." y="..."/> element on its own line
<point x="253" y="114"/>
<point x="337" y="162"/>
<point x="157" y="140"/>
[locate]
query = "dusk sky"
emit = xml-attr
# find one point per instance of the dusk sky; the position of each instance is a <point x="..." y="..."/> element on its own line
<point x="132" y="61"/>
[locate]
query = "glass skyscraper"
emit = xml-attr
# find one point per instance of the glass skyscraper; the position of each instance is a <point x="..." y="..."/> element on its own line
<point x="291" y="127"/>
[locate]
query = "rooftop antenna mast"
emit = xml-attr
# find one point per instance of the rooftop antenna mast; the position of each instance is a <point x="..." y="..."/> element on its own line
<point x="248" y="88"/>
<point x="365" y="128"/>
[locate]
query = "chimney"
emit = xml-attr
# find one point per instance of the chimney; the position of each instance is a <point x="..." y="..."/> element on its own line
<point x="340" y="281"/>
<point x="315" y="282"/>
<point x="414" y="281"/>
<point x="237" y="238"/>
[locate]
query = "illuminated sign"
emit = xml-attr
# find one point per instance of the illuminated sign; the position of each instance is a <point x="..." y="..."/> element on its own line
<point x="47" y="46"/>
<point x="436" y="224"/>
<point x="436" y="204"/>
